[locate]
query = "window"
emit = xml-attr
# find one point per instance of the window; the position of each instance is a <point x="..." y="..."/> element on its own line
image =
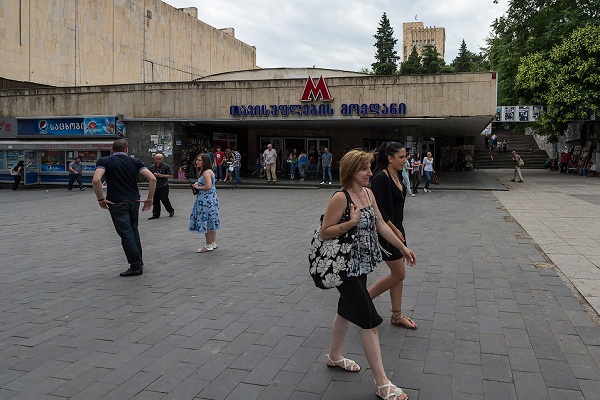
<point x="53" y="161"/>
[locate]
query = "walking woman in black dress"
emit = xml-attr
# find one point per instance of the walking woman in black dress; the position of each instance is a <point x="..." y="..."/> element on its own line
<point x="390" y="194"/>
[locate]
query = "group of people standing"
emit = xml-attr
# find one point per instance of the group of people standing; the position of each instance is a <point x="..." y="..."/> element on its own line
<point x="303" y="163"/>
<point x="226" y="164"/>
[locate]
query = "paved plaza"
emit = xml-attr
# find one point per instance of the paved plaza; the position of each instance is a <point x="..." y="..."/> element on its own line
<point x="505" y="293"/>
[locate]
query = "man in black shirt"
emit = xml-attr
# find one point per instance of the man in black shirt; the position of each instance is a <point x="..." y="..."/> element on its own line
<point x="162" y="172"/>
<point x="123" y="199"/>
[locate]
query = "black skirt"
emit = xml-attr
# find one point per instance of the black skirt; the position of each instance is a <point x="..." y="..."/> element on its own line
<point x="356" y="305"/>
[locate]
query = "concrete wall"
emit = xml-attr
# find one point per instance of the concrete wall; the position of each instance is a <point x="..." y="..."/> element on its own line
<point x="101" y="42"/>
<point x="453" y="95"/>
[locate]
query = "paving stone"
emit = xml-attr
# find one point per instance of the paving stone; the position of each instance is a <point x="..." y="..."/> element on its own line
<point x="245" y="321"/>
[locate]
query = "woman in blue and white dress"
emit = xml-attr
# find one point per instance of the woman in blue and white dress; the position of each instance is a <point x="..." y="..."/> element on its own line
<point x="205" y="213"/>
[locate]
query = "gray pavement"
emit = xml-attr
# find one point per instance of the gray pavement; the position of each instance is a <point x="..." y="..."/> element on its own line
<point x="501" y="316"/>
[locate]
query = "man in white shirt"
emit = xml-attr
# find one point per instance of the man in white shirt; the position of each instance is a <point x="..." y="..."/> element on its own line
<point x="270" y="156"/>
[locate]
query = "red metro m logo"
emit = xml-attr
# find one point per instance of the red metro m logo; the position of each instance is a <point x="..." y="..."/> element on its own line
<point x="320" y="91"/>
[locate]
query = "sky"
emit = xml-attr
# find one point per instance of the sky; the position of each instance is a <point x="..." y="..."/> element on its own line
<point x="338" y="34"/>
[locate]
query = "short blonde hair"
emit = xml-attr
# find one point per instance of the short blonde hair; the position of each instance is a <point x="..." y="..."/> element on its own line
<point x="352" y="162"/>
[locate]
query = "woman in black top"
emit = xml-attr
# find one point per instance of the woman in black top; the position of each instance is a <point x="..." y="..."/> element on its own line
<point x="390" y="194"/>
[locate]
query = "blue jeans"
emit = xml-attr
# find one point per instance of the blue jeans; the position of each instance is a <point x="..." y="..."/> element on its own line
<point x="313" y="171"/>
<point x="238" y="177"/>
<point x="327" y="171"/>
<point x="406" y="181"/>
<point x="302" y="170"/>
<point x="72" y="179"/>
<point x="125" y="219"/>
<point x="427" y="179"/>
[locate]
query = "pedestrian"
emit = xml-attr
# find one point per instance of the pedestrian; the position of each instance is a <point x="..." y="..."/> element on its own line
<point x="492" y="152"/>
<point x="355" y="304"/>
<point x="162" y="172"/>
<point x="75" y="171"/>
<point x="237" y="166"/>
<point x="504" y="146"/>
<point x="406" y="171"/>
<point x="565" y="159"/>
<point x="486" y="140"/>
<point x="494" y="140"/>
<point x="313" y="162"/>
<point x="219" y="158"/>
<point x="205" y="212"/>
<point x="270" y="163"/>
<point x="257" y="167"/>
<point x="191" y="157"/>
<point x="302" y="164"/>
<point x="428" y="171"/>
<point x="326" y="161"/>
<point x="292" y="163"/>
<point x="123" y="199"/>
<point x="228" y="165"/>
<point x="518" y="164"/>
<point x="17" y="173"/>
<point x="390" y="195"/>
<point x="416" y="173"/>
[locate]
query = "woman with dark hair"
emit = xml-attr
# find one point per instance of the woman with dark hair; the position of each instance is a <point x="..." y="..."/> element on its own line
<point x="428" y="170"/>
<point x="390" y="194"/>
<point x="355" y="304"/>
<point x="17" y="172"/>
<point x="205" y="213"/>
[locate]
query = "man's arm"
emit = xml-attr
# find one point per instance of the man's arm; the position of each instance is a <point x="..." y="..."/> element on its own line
<point x="151" y="188"/>
<point x="71" y="168"/>
<point x="97" y="185"/>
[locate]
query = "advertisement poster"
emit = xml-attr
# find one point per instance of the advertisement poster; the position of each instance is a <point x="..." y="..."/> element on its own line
<point x="523" y="113"/>
<point x="84" y="126"/>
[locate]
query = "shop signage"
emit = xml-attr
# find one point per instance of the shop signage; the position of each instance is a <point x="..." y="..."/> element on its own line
<point x="75" y="126"/>
<point x="318" y="91"/>
<point x="8" y="127"/>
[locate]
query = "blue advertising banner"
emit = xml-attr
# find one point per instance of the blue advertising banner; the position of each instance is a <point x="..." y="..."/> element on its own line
<point x="84" y="126"/>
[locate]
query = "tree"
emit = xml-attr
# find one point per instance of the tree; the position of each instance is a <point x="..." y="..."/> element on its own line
<point x="386" y="56"/>
<point x="412" y="66"/>
<point x="462" y="62"/>
<point x="565" y="79"/>
<point x="531" y="26"/>
<point x="431" y="60"/>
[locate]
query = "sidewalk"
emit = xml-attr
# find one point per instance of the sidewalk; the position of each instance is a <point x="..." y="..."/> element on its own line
<point x="496" y="320"/>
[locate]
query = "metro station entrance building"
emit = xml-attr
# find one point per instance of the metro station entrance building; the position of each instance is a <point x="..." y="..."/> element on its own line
<point x="290" y="108"/>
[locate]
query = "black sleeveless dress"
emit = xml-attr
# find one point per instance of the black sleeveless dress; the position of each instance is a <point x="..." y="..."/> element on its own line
<point x="391" y="252"/>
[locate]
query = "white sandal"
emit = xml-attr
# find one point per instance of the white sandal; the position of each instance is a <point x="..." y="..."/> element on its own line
<point x="214" y="245"/>
<point x="347" y="364"/>
<point x="205" y="249"/>
<point x="390" y="394"/>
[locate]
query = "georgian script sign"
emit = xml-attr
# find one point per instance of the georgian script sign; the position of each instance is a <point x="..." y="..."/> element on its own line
<point x="313" y="92"/>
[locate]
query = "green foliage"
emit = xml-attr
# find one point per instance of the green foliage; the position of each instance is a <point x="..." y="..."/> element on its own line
<point x="565" y="79"/>
<point x="431" y="60"/>
<point x="386" y="57"/>
<point x="412" y="66"/>
<point x="467" y="61"/>
<point x="528" y="27"/>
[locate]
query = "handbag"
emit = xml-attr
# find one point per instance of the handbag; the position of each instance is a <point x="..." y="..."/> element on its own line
<point x="230" y="168"/>
<point x="194" y="190"/>
<point x="521" y="162"/>
<point x="435" y="179"/>
<point x="328" y="259"/>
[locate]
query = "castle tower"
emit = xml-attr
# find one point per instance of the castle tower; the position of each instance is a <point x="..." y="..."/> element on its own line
<point x="415" y="34"/>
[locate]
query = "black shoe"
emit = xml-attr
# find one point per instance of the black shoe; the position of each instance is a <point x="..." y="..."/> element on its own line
<point x="512" y="180"/>
<point x="132" y="272"/>
<point x="84" y="188"/>
<point x="171" y="213"/>
<point x="153" y="217"/>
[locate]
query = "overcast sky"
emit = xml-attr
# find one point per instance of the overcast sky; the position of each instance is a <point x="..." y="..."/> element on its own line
<point x="338" y="34"/>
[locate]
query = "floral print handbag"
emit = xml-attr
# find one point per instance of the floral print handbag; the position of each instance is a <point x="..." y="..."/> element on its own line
<point x="328" y="259"/>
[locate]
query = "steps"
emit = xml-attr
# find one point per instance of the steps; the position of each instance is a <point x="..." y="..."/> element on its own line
<point x="524" y="145"/>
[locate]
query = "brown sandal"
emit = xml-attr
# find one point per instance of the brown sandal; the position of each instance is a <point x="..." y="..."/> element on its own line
<point x="402" y="320"/>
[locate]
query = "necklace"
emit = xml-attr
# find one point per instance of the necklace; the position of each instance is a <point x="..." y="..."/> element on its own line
<point x="394" y="177"/>
<point x="359" y="198"/>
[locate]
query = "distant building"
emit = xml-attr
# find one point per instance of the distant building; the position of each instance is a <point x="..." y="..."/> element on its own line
<point x="414" y="34"/>
<point x="91" y="42"/>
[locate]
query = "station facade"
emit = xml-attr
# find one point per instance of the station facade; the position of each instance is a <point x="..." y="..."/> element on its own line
<point x="298" y="108"/>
